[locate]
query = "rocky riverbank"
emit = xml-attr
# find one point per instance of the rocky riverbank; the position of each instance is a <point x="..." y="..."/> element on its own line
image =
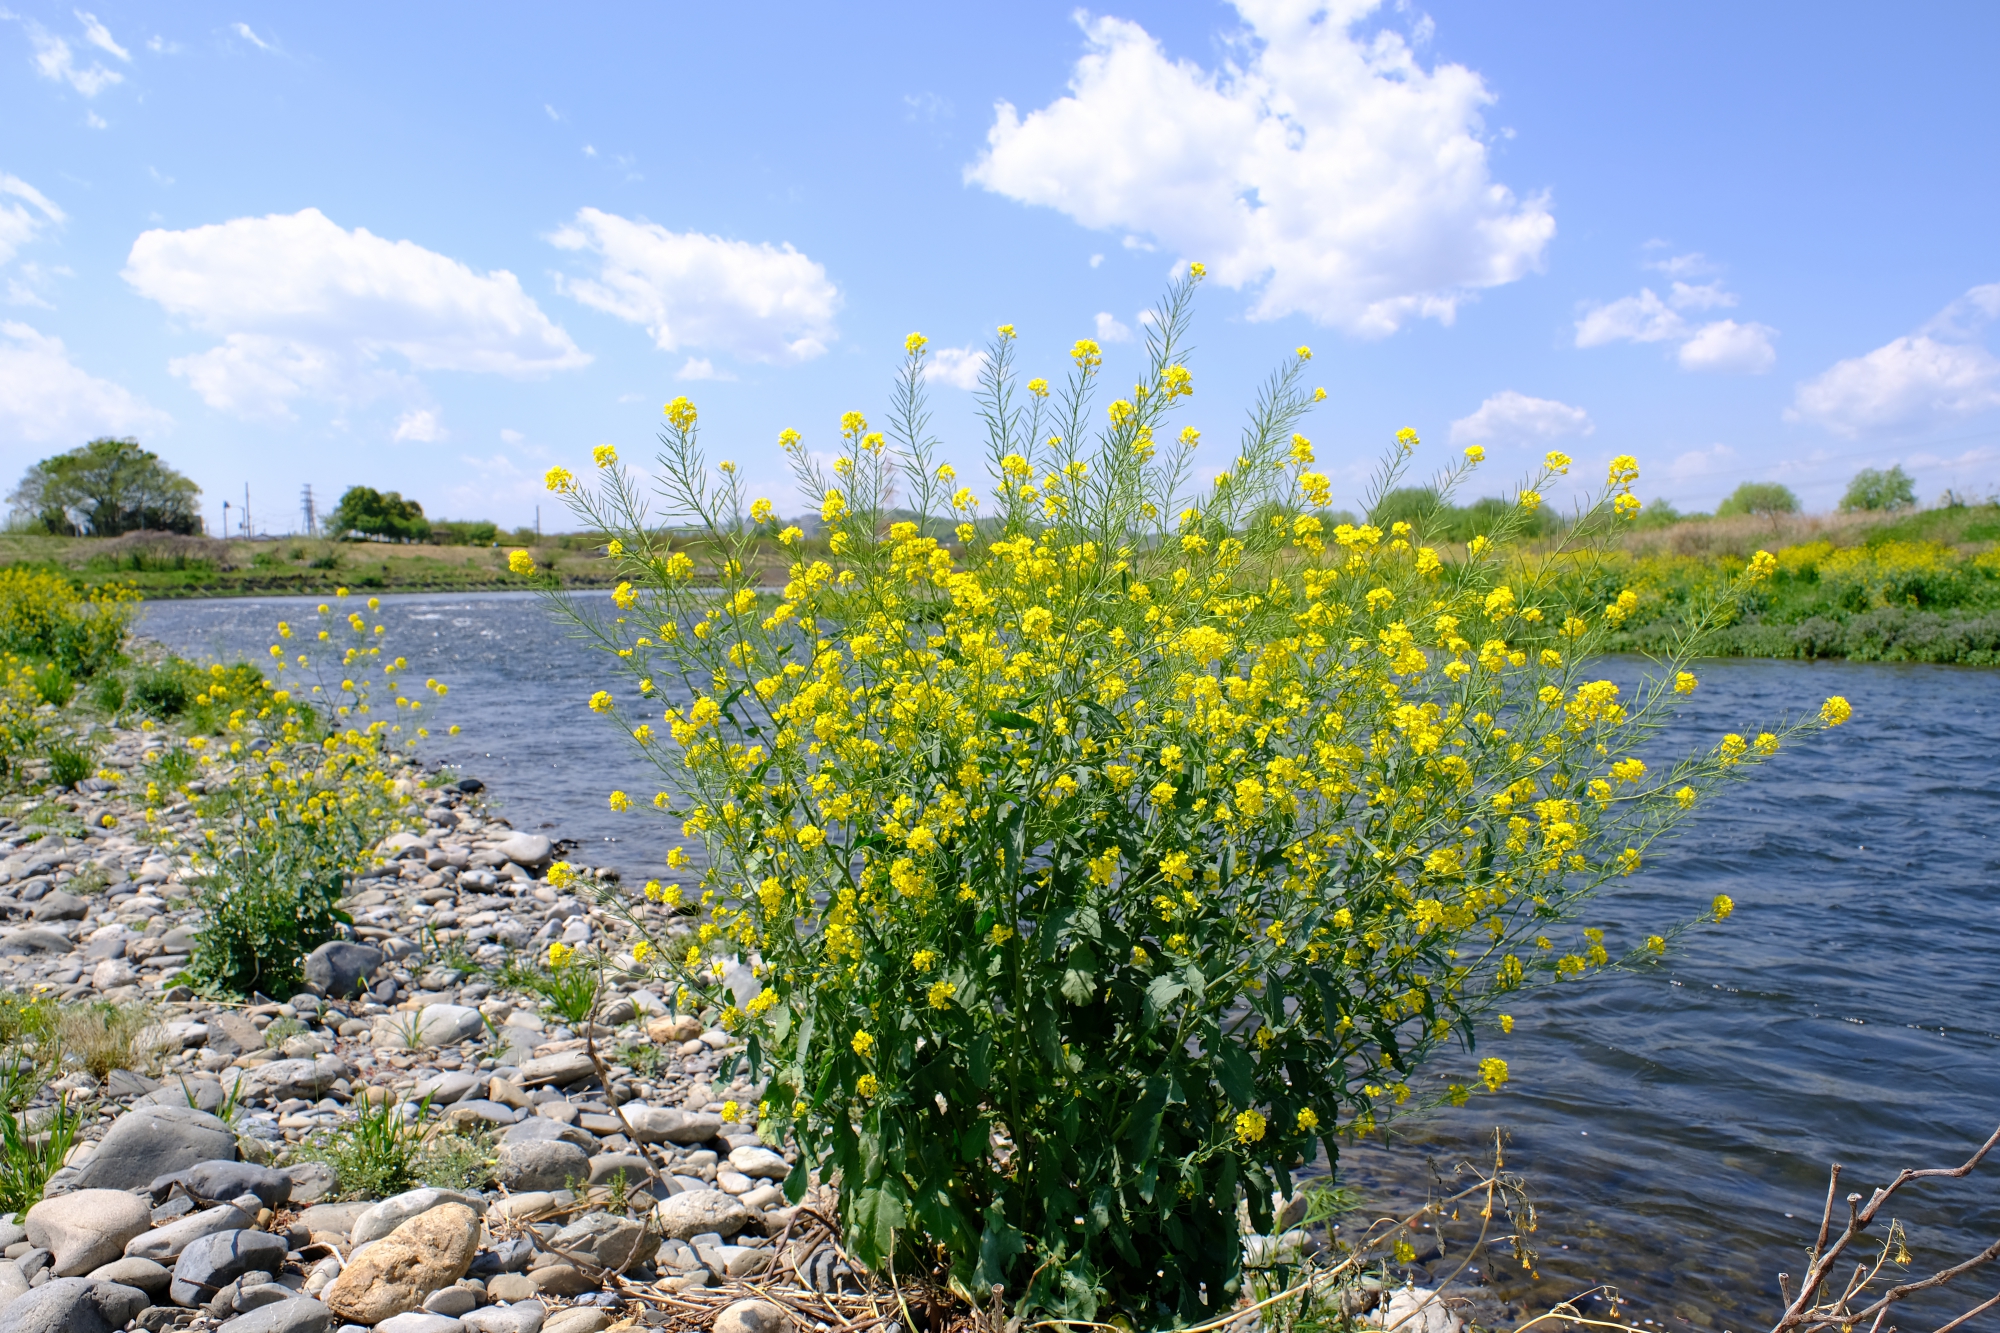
<point x="603" y="1182"/>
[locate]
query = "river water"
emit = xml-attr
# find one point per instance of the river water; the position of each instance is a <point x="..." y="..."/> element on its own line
<point x="1673" y="1125"/>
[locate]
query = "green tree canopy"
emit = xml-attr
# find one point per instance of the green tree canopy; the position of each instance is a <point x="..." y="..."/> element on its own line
<point x="105" y="488"/>
<point x="374" y="513"/>
<point x="1759" y="497"/>
<point x="1873" y="489"/>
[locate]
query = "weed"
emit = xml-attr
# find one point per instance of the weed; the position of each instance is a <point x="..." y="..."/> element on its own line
<point x="162" y="692"/>
<point x="104" y="1036"/>
<point x="108" y="694"/>
<point x="281" y="1031"/>
<point x="454" y="1161"/>
<point x="28" y="1159"/>
<point x="172" y="767"/>
<point x="646" y="1058"/>
<point x="54" y="685"/>
<point x="569" y="983"/>
<point x="376" y="1155"/>
<point x="23" y="1020"/>
<point x="69" y="765"/>
<point x="409" y="1030"/>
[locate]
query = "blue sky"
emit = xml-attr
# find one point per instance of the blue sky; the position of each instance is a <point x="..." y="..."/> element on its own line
<point x="439" y="249"/>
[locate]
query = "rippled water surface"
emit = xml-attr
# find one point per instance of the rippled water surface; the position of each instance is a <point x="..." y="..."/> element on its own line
<point x="1668" y="1121"/>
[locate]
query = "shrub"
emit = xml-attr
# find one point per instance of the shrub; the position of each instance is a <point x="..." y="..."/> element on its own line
<point x="55" y="686"/>
<point x="70" y="764"/>
<point x="1097" y="869"/>
<point x="108" y="694"/>
<point x="163" y="691"/>
<point x="1759" y="497"/>
<point x="1873" y="489"/>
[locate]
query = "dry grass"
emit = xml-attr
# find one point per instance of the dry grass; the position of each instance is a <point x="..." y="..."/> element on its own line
<point x="102" y="1037"/>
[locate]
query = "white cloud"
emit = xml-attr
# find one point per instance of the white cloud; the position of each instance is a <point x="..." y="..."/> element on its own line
<point x="1728" y="346"/>
<point x="24" y="211"/>
<point x="1644" y="318"/>
<point x="554" y="114"/>
<point x="1324" y="162"/>
<point x="420" y="424"/>
<point x="1719" y="345"/>
<point x="701" y="368"/>
<point x="1938" y="374"/>
<point x="509" y="436"/>
<point x="1692" y="265"/>
<point x="1096" y="260"/>
<point x="243" y="30"/>
<point x="1698" y="463"/>
<point x="1910" y="383"/>
<point x="54" y="60"/>
<point x="47" y="398"/>
<point x="305" y="307"/>
<point x="99" y="36"/>
<point x="1515" y="417"/>
<point x="1109" y="330"/>
<point x="959" y="367"/>
<point x="756" y="302"/>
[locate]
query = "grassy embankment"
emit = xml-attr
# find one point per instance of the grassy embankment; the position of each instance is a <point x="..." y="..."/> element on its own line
<point x="1918" y="586"/>
<point x="159" y="566"/>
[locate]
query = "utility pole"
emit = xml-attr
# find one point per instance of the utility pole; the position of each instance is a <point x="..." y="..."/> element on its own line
<point x="247" y="530"/>
<point x="538" y="522"/>
<point x="225" y="520"/>
<point x="311" y="515"/>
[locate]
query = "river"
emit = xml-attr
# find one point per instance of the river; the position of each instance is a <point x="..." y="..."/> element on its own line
<point x="1673" y="1125"/>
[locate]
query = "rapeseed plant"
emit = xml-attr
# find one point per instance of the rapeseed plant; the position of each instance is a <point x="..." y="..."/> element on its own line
<point x="1103" y="845"/>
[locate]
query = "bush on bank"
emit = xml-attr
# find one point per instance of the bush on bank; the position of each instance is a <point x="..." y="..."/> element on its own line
<point x="1100" y="866"/>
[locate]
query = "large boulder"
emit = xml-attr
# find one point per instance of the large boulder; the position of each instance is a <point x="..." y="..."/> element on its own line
<point x="668" y="1124"/>
<point x="689" y="1214"/>
<point x="431" y="1250"/>
<point x="148" y="1142"/>
<point x="544" y="1164"/>
<point x="35" y="939"/>
<point x="165" y="1244"/>
<point x="759" y="1163"/>
<point x="214" y="1261"/>
<point x="541" y="1129"/>
<point x="73" y="1305"/>
<point x="393" y="1212"/>
<point x="340" y="967"/>
<point x="86" y="1229"/>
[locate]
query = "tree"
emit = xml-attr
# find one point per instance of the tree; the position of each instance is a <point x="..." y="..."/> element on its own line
<point x="374" y="513"/>
<point x="1873" y="489"/>
<point x="104" y="488"/>
<point x="1764" y="498"/>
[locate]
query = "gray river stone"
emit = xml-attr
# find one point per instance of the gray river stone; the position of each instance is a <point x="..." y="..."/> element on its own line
<point x="148" y="1142"/>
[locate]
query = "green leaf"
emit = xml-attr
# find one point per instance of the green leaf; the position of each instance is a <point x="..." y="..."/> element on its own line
<point x="1078" y="985"/>
<point x="797" y="1182"/>
<point x="999" y="1245"/>
<point x="1004" y="719"/>
<point x="877" y="1213"/>
<point x="1161" y="992"/>
<point x="979" y="1056"/>
<point x="1234" y="1073"/>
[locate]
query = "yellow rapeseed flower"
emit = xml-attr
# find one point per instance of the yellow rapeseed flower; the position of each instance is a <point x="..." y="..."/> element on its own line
<point x="862" y="1043"/>
<point x="604" y="455"/>
<point x="1493" y="1072"/>
<point x="914" y="344"/>
<point x="1250" y="1126"/>
<point x="1722" y="906"/>
<point x="520" y="562"/>
<point x="1308" y="1120"/>
<point x="560" y="480"/>
<point x="867" y="1085"/>
<point x="680" y="413"/>
<point x="1835" y="711"/>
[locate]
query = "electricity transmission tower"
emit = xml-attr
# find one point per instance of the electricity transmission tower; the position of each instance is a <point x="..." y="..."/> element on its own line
<point x="311" y="514"/>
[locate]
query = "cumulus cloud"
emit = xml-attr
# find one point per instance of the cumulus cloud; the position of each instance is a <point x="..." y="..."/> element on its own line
<point x="421" y="425"/>
<point x="1938" y="374"/>
<point x="957" y="366"/>
<point x="1324" y="164"/>
<point x="305" y="307"/>
<point x="1698" y="463"/>
<point x="757" y="302"/>
<point x="1718" y="345"/>
<point x="45" y="397"/>
<point x="1729" y="346"/>
<point x="1514" y="417"/>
